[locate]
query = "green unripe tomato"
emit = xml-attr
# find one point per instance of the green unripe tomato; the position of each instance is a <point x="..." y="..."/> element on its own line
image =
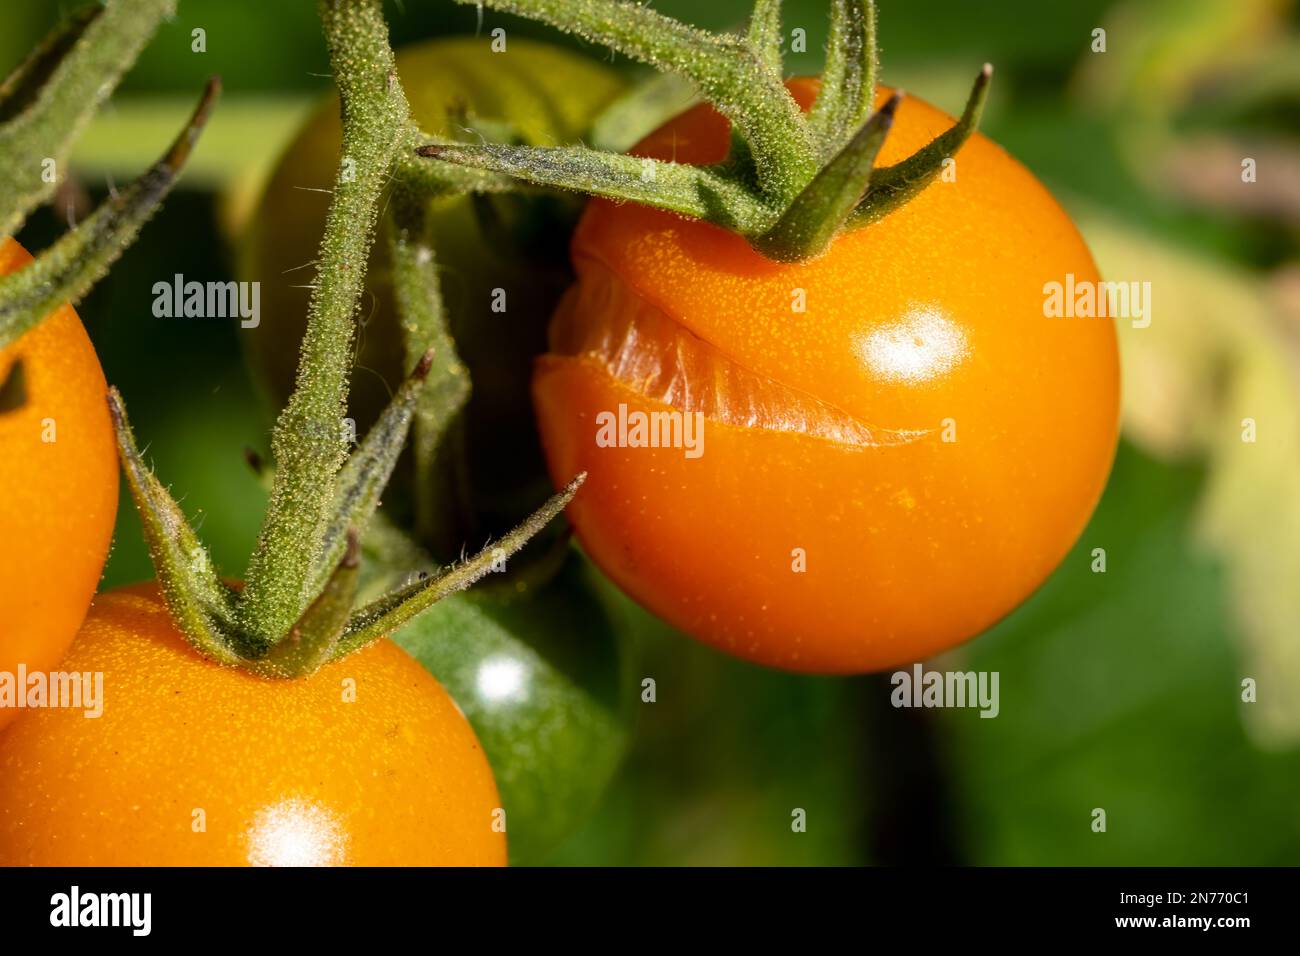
<point x="545" y="683"/>
<point x="500" y="282"/>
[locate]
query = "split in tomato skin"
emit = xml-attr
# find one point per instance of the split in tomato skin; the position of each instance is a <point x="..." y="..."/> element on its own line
<point x="58" y="488"/>
<point x="898" y="445"/>
<point x="366" y="762"/>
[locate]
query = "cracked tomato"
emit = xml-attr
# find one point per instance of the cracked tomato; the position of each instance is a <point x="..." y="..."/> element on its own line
<point x="843" y="464"/>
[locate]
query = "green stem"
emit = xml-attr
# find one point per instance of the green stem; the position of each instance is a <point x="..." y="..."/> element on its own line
<point x="765" y="33"/>
<point x="101" y="53"/>
<point x="726" y="69"/>
<point x="314" y="638"/>
<point x="308" y="443"/>
<point x="418" y="293"/>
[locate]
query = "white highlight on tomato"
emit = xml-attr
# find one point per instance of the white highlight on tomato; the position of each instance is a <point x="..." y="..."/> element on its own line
<point x="500" y="678"/>
<point x="922" y="345"/>
<point x="296" y="832"/>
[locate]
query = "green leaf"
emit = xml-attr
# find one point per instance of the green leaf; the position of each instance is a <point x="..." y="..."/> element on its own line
<point x="1120" y="691"/>
<point x="1213" y="376"/>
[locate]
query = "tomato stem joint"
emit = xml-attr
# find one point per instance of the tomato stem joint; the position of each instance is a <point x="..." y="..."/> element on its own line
<point x="792" y="180"/>
<point x="299" y="606"/>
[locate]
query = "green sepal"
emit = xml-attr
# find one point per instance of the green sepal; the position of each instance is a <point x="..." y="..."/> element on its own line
<point x="439" y="473"/>
<point x="201" y="604"/>
<point x="433" y="180"/>
<point x="97" y="53"/>
<point x="640" y="111"/>
<point x="783" y="169"/>
<point x="894" y="185"/>
<point x="848" y="89"/>
<point x="392" y="611"/>
<point x="701" y="192"/>
<point x="68" y="269"/>
<point x="818" y="213"/>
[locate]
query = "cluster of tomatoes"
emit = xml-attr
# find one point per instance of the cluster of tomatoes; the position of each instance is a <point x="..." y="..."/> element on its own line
<point x="888" y="468"/>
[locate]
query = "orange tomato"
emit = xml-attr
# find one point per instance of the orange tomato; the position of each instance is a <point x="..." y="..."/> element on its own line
<point x="898" y="445"/>
<point x="58" y="488"/>
<point x="366" y="762"/>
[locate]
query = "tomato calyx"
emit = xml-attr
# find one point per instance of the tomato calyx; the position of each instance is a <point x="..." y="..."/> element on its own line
<point x="792" y="180"/>
<point x="300" y="605"/>
<point x="207" y="609"/>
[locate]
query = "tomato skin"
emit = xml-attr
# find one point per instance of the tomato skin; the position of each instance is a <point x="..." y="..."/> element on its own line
<point x="58" y="499"/>
<point x="925" y="324"/>
<point x="544" y="680"/>
<point x="550" y="96"/>
<point x="284" y="772"/>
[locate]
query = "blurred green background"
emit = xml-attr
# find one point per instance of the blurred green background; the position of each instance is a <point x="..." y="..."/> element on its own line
<point x="1120" y="690"/>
